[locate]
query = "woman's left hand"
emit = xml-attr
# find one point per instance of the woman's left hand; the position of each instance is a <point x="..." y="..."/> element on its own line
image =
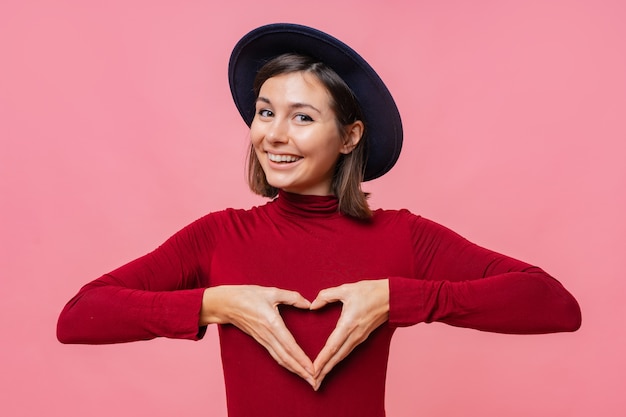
<point x="365" y="307"/>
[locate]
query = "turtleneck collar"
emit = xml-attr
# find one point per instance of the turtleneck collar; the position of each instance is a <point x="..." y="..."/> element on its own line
<point x="307" y="205"/>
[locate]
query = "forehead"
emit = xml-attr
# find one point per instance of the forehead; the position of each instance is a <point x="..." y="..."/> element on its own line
<point x="295" y="87"/>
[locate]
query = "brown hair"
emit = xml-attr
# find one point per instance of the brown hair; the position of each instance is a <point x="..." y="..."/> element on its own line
<point x="348" y="175"/>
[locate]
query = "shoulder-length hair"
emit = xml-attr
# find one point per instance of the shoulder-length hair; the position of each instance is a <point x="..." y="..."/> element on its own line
<point x="350" y="168"/>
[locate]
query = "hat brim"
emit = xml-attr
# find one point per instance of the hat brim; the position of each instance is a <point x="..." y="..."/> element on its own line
<point x="382" y="119"/>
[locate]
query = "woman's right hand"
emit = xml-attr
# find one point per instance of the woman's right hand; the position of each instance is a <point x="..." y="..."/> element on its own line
<point x="254" y="310"/>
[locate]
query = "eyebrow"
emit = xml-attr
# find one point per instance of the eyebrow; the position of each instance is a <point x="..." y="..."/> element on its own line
<point x="292" y="105"/>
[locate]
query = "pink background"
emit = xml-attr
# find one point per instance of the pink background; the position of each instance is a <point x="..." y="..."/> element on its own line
<point x="117" y="129"/>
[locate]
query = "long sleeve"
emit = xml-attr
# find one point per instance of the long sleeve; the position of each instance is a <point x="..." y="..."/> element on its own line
<point x="301" y="243"/>
<point x="465" y="285"/>
<point x="156" y="295"/>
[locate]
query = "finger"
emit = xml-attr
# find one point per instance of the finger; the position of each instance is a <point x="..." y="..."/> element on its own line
<point x="291" y="362"/>
<point x="337" y="354"/>
<point x="266" y="326"/>
<point x="327" y="296"/>
<point x="333" y="345"/>
<point x="285" y="345"/>
<point x="281" y="345"/>
<point x="292" y="298"/>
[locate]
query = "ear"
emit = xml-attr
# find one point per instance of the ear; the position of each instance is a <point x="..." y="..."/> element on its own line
<point x="354" y="133"/>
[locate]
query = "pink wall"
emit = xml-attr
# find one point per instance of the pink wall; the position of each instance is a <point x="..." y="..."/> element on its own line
<point x="117" y="129"/>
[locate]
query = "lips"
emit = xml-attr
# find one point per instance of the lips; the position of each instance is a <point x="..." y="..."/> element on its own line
<point x="283" y="158"/>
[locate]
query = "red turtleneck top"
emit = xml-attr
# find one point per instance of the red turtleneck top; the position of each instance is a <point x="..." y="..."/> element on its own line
<point x="303" y="243"/>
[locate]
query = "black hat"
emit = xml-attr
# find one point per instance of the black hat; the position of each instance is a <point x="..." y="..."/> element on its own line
<point x="382" y="119"/>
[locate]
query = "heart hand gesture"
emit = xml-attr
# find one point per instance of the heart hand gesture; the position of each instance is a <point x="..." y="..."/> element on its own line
<point x="365" y="307"/>
<point x="254" y="310"/>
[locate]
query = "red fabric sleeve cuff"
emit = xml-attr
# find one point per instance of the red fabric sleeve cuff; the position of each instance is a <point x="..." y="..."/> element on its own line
<point x="412" y="301"/>
<point x="176" y="315"/>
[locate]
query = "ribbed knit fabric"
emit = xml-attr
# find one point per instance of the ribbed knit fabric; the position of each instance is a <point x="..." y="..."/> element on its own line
<point x="302" y="243"/>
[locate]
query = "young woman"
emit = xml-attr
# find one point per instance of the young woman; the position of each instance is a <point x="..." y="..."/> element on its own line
<point x="309" y="288"/>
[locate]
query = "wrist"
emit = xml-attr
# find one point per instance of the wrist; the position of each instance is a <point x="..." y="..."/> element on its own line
<point x="211" y="309"/>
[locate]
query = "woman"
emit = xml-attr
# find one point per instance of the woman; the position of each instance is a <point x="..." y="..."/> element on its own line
<point x="309" y="288"/>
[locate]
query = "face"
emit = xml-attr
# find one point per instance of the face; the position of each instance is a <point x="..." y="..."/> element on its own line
<point x="295" y="134"/>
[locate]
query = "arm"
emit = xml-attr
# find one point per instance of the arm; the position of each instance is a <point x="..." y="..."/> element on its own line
<point x="455" y="282"/>
<point x="167" y="293"/>
<point x="463" y="284"/>
<point x="159" y="294"/>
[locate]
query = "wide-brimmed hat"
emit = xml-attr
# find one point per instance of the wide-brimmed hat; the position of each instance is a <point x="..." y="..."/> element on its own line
<point x="382" y="119"/>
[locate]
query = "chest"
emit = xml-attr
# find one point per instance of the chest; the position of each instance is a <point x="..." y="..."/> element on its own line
<point x="307" y="256"/>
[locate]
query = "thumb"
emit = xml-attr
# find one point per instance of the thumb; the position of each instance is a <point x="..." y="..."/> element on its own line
<point x="326" y="296"/>
<point x="293" y="298"/>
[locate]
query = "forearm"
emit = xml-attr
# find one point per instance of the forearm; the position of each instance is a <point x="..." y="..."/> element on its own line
<point x="514" y="302"/>
<point x="156" y="295"/>
<point x="101" y="314"/>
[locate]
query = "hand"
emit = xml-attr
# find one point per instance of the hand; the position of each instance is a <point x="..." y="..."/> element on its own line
<point x="254" y="310"/>
<point x="365" y="307"/>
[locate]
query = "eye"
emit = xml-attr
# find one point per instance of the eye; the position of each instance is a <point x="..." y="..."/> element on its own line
<point x="303" y="118"/>
<point x="265" y="113"/>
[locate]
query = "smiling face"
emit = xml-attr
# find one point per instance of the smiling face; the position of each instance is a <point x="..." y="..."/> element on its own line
<point x="296" y="136"/>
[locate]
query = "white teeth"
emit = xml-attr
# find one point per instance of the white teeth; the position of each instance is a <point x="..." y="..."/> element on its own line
<point x="282" y="158"/>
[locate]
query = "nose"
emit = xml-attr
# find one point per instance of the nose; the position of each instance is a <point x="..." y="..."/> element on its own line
<point x="278" y="131"/>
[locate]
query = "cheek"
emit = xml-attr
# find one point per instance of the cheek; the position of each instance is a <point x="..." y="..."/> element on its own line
<point x="255" y="135"/>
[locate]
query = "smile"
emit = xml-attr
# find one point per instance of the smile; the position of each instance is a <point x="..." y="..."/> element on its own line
<point x="283" y="158"/>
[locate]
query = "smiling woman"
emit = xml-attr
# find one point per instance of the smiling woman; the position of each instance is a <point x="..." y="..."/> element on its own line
<point x="295" y="134"/>
<point x="308" y="79"/>
<point x="309" y="288"/>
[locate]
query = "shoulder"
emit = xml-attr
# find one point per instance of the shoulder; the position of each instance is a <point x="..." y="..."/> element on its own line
<point x="415" y="223"/>
<point x="213" y="227"/>
<point x="399" y="223"/>
<point x="395" y="215"/>
<point x="229" y="217"/>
